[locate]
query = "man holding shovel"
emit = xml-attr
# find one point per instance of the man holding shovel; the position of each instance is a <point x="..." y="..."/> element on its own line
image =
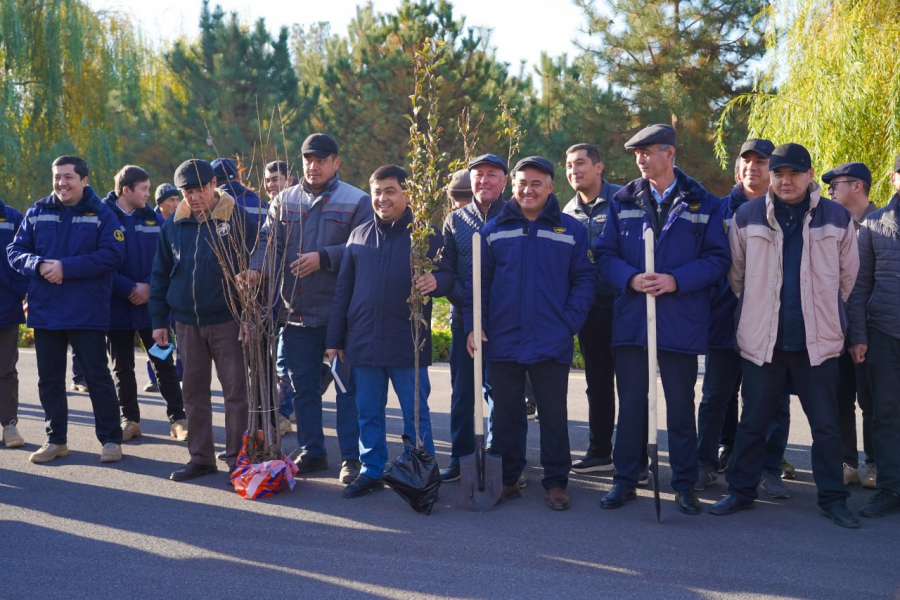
<point x="691" y="256"/>
<point x="538" y="284"/>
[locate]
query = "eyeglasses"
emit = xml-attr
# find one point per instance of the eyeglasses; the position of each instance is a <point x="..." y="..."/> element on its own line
<point x="834" y="184"/>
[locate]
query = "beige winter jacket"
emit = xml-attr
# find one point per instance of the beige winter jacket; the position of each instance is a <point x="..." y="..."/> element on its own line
<point x="827" y="274"/>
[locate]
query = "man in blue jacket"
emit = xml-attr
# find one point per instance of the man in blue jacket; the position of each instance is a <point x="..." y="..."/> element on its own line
<point x="304" y="235"/>
<point x="487" y="179"/>
<point x="538" y="284"/>
<point x="590" y="206"/>
<point x="228" y="178"/>
<point x="12" y="291"/>
<point x="69" y="247"/>
<point x="129" y="313"/>
<point x="692" y="256"/>
<point x="370" y="325"/>
<point x="188" y="282"/>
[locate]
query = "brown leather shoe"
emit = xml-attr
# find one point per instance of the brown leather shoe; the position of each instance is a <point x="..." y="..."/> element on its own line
<point x="557" y="499"/>
<point x="509" y="492"/>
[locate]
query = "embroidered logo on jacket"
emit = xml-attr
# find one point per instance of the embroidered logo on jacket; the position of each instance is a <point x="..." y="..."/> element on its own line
<point x="222" y="229"/>
<point x="120" y="237"/>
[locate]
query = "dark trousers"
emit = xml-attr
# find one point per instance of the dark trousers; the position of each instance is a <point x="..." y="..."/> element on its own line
<point x="51" y="351"/>
<point x="77" y="374"/>
<point x="853" y="386"/>
<point x="9" y="376"/>
<point x="550" y="380"/>
<point x="883" y="370"/>
<point x="721" y="383"/>
<point x="462" y="395"/>
<point x="201" y="347"/>
<point x="763" y="388"/>
<point x="729" y="425"/>
<point x="595" y="340"/>
<point x="120" y="343"/>
<point x="679" y="375"/>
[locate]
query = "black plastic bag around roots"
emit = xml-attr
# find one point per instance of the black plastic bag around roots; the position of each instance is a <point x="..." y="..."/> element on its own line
<point x="414" y="475"/>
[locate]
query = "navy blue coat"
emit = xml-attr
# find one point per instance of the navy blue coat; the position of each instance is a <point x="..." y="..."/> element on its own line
<point x="537" y="285"/>
<point x="370" y="317"/>
<point x="254" y="206"/>
<point x="187" y="279"/>
<point x="87" y="240"/>
<point x="692" y="246"/>
<point x="12" y="284"/>
<point x="141" y="229"/>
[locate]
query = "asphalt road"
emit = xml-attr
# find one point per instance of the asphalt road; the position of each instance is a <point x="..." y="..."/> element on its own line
<point x="74" y="528"/>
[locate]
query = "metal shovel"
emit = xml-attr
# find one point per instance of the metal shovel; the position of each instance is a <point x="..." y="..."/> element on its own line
<point x="481" y="474"/>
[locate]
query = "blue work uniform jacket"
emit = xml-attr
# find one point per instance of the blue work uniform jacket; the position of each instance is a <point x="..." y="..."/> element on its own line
<point x="87" y="240"/>
<point x="141" y="229"/>
<point x="246" y="198"/>
<point x="691" y="245"/>
<point x="12" y="284"/>
<point x="538" y="284"/>
<point x="370" y="317"/>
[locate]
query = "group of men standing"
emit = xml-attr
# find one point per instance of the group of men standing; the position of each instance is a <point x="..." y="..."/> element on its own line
<point x="763" y="282"/>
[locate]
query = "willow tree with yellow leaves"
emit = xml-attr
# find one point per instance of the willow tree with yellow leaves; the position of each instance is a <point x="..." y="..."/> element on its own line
<point x="832" y="84"/>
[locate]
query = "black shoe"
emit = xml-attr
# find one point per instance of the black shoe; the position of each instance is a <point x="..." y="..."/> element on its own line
<point x="592" y="464"/>
<point x="724" y="457"/>
<point x="361" y="486"/>
<point x="618" y="496"/>
<point x="221" y="456"/>
<point x="644" y="477"/>
<point x="530" y="410"/>
<point x="840" y="514"/>
<point x="192" y="471"/>
<point x="451" y="473"/>
<point x="307" y="464"/>
<point x="731" y="504"/>
<point x="687" y="502"/>
<point x="706" y="476"/>
<point x="882" y="503"/>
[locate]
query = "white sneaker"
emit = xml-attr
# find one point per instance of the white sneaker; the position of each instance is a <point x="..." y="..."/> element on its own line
<point x="851" y="475"/>
<point x="179" y="430"/>
<point x="48" y="452"/>
<point x="868" y="479"/>
<point x="130" y="429"/>
<point x="11" y="436"/>
<point x="111" y="453"/>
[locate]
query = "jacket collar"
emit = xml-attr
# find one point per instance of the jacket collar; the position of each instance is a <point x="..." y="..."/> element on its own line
<point x="222" y="211"/>
<point x="326" y="191"/>
<point x="687" y="189"/>
<point x="815" y="194"/>
<point x="474" y="210"/>
<point x="606" y="194"/>
<point x="112" y="201"/>
<point x="400" y="224"/>
<point x="551" y="213"/>
<point x="90" y="202"/>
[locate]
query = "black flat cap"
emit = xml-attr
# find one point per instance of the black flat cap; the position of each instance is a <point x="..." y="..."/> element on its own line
<point x="320" y="145"/>
<point x="791" y="155"/>
<point x="193" y="174"/>
<point x="856" y="170"/>
<point x="762" y="147"/>
<point x="166" y="190"/>
<point x="225" y="170"/>
<point x="489" y="159"/>
<point x="652" y="134"/>
<point x="538" y="162"/>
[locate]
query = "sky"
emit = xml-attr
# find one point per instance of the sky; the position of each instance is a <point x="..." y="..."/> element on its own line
<point x="515" y="23"/>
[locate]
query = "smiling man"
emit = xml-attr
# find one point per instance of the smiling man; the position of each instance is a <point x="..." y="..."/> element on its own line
<point x="69" y="247"/>
<point x="370" y="327"/>
<point x="795" y="261"/>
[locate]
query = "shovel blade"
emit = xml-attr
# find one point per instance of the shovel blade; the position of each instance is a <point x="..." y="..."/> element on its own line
<point x="481" y="493"/>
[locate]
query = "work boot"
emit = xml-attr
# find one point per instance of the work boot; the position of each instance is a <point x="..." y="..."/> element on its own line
<point x="179" y="430"/>
<point x="851" y="475"/>
<point x="11" y="436"/>
<point x="773" y="486"/>
<point x="48" y="452"/>
<point x="130" y="429"/>
<point x="111" y="453"/>
<point x="349" y="470"/>
<point x="870" y="476"/>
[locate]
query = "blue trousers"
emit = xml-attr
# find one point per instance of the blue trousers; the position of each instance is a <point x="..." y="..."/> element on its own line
<point x="679" y="375"/>
<point x="303" y="349"/>
<point x="371" y="400"/>
<point x="764" y="387"/>
<point x="51" y="350"/>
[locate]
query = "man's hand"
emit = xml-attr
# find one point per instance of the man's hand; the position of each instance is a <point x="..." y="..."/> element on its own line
<point x="161" y="337"/>
<point x="470" y="342"/>
<point x="52" y="271"/>
<point x="426" y="284"/>
<point x="858" y="352"/>
<point x="140" y="294"/>
<point x="637" y="283"/>
<point x="654" y="284"/>
<point x="332" y="352"/>
<point x="248" y="279"/>
<point x="306" y="264"/>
